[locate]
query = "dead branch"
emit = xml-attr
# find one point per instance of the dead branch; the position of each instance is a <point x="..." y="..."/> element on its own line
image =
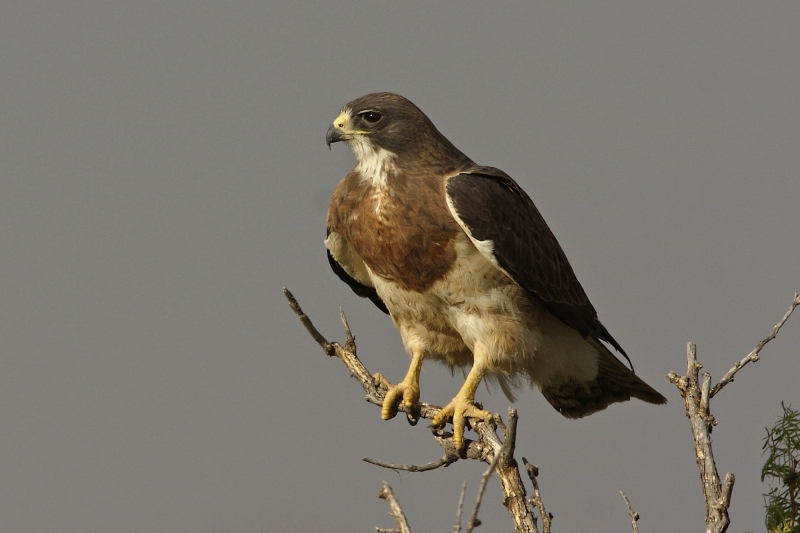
<point x="395" y="510"/>
<point x="444" y="461"/>
<point x="634" y="515"/>
<point x="473" y="520"/>
<point x="487" y="448"/>
<point x="717" y="518"/>
<point x="536" y="497"/>
<point x="696" y="398"/>
<point x="753" y="355"/>
<point x="457" y="526"/>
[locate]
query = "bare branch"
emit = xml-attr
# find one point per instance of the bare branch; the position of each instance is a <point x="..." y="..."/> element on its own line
<point x="705" y="397"/>
<point x="350" y="341"/>
<point x="717" y="519"/>
<point x="485" y="449"/>
<point x="634" y="515"/>
<point x="704" y="394"/>
<point x="473" y="520"/>
<point x="499" y="421"/>
<point x="395" y="510"/>
<point x="536" y="497"/>
<point x="444" y="461"/>
<point x="510" y="435"/>
<point x="753" y="355"/>
<point x="457" y="526"/>
<point x="696" y="398"/>
<point x="727" y="490"/>
<point x="315" y="334"/>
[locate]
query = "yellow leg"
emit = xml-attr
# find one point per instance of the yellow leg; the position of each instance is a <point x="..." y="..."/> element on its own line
<point x="463" y="405"/>
<point x="407" y="390"/>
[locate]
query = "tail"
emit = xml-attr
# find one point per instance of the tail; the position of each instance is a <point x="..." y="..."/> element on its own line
<point x="614" y="383"/>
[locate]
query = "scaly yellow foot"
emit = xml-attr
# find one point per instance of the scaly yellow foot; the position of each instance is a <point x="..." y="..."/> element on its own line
<point x="406" y="391"/>
<point x="458" y="410"/>
<point x="463" y="405"/>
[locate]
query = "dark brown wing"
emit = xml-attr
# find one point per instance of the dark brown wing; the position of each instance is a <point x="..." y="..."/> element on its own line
<point x="494" y="209"/>
<point x="358" y="288"/>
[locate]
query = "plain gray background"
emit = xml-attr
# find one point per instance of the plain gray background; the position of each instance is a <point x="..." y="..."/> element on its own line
<point x="163" y="173"/>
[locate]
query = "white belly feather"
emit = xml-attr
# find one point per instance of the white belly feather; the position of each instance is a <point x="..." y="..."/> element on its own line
<point x="476" y="303"/>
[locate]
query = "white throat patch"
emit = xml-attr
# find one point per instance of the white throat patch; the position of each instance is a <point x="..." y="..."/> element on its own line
<point x="373" y="163"/>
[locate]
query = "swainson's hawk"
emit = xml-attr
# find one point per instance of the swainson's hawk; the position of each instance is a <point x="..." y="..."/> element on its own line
<point x="467" y="268"/>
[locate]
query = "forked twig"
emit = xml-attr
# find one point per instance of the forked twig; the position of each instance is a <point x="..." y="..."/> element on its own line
<point x="536" y="497"/>
<point x="696" y="396"/>
<point x="395" y="510"/>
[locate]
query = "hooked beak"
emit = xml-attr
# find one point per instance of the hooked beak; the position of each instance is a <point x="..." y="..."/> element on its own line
<point x="337" y="130"/>
<point x="341" y="130"/>
<point x="334" y="135"/>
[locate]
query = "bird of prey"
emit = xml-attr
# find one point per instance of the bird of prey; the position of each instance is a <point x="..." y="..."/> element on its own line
<point x="460" y="258"/>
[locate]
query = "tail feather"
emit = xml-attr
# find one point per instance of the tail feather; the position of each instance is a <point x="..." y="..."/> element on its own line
<point x="614" y="383"/>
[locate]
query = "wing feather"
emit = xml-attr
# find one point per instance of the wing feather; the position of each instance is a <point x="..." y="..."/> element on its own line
<point x="359" y="288"/>
<point x="508" y="229"/>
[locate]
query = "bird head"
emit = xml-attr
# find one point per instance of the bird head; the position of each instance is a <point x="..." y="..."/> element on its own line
<point x="388" y="122"/>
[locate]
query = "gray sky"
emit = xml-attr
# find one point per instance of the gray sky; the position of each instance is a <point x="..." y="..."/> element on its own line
<point x="163" y="173"/>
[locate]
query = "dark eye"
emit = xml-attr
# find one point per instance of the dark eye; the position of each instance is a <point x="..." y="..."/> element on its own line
<point x="371" y="116"/>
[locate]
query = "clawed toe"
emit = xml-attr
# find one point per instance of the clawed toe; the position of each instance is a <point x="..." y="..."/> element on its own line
<point x="458" y="411"/>
<point x="405" y="392"/>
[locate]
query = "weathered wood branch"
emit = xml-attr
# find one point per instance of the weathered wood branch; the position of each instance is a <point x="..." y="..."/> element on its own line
<point x="634" y="516"/>
<point x="395" y="510"/>
<point x="700" y="420"/>
<point x="489" y="448"/>
<point x="536" y="497"/>
<point x="696" y="397"/>
<point x="753" y="355"/>
<point x="499" y="454"/>
<point x="457" y="526"/>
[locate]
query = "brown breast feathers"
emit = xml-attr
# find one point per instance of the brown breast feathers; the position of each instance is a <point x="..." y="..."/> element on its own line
<point x="402" y="230"/>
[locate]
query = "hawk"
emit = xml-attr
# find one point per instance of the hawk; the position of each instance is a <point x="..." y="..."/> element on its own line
<point x="471" y="275"/>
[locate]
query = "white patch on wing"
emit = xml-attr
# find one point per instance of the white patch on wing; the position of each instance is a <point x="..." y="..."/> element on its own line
<point x="485" y="247"/>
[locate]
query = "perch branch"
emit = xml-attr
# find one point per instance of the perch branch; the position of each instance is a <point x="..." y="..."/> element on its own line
<point x="485" y="449"/>
<point x="327" y="347"/>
